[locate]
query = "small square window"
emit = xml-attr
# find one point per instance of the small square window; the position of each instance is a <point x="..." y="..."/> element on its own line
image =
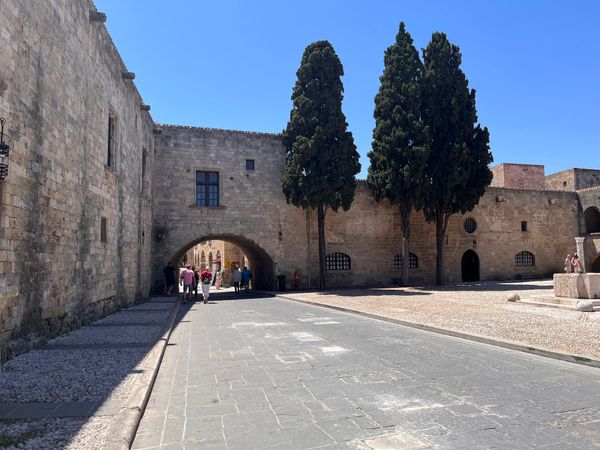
<point x="564" y="184"/>
<point x="524" y="225"/>
<point x="249" y="164"/>
<point x="103" y="229"/>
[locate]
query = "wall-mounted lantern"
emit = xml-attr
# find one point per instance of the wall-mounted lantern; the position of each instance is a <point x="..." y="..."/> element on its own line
<point x="4" y="151"/>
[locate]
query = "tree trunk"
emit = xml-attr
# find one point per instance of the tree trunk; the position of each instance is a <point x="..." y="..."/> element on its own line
<point x="405" y="245"/>
<point x="321" y="227"/>
<point x="308" y="268"/>
<point x="440" y="231"/>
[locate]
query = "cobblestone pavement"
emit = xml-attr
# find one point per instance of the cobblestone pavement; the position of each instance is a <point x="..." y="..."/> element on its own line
<point x="270" y="373"/>
<point x="478" y="309"/>
<point x="70" y="392"/>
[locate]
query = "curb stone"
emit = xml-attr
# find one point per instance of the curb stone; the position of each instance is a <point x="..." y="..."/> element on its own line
<point x="470" y="337"/>
<point x="127" y="420"/>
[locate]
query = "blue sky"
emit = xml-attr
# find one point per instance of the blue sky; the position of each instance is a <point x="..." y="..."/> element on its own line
<point x="535" y="64"/>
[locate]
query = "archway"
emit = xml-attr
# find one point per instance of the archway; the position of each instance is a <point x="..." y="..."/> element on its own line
<point x="261" y="263"/>
<point x="592" y="220"/>
<point x="595" y="266"/>
<point x="470" y="266"/>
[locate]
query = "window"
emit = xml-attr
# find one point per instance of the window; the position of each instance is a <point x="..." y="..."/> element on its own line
<point x="524" y="259"/>
<point x="337" y="261"/>
<point x="207" y="188"/>
<point x="470" y="225"/>
<point x="103" y="229"/>
<point x="524" y="225"/>
<point x="413" y="261"/>
<point x="564" y="184"/>
<point x="210" y="259"/>
<point x="249" y="164"/>
<point x="202" y="256"/>
<point x="219" y="255"/>
<point x="111" y="148"/>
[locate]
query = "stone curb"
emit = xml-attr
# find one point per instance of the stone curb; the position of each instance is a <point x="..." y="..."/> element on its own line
<point x="128" y="418"/>
<point x="471" y="337"/>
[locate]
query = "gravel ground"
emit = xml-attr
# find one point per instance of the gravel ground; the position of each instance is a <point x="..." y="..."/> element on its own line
<point x="68" y="375"/>
<point x="479" y="309"/>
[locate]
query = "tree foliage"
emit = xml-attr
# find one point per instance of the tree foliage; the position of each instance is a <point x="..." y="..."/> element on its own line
<point x="400" y="138"/>
<point x="457" y="170"/>
<point x="321" y="158"/>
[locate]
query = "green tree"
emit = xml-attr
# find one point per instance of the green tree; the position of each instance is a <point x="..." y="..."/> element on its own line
<point x="457" y="170"/>
<point x="321" y="159"/>
<point x="400" y="139"/>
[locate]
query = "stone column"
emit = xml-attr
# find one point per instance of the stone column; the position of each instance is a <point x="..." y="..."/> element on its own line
<point x="580" y="251"/>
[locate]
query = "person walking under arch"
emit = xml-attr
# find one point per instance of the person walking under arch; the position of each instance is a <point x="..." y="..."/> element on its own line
<point x="236" y="277"/>
<point x="246" y="277"/>
<point x="205" y="278"/>
<point x="169" y="272"/>
<point x="187" y="276"/>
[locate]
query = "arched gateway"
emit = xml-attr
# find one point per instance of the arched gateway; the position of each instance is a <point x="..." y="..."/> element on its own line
<point x="262" y="264"/>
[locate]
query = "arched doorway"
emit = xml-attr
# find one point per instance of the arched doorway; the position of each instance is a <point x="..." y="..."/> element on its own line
<point x="595" y="266"/>
<point x="470" y="266"/>
<point x="592" y="220"/>
<point x="261" y="264"/>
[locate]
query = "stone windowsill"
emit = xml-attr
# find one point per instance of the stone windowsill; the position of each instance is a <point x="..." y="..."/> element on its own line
<point x="206" y="207"/>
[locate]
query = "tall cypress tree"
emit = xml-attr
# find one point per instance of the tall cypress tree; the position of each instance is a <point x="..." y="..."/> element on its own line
<point x="400" y="139"/>
<point x="321" y="159"/>
<point x="457" y="170"/>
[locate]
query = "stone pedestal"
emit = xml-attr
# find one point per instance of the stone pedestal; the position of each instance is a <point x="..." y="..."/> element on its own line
<point x="577" y="285"/>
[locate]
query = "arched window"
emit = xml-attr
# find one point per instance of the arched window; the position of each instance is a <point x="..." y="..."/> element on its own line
<point x="592" y="220"/>
<point x="413" y="261"/>
<point x="524" y="259"/>
<point x="202" y="256"/>
<point x="337" y="261"/>
<point x="219" y="255"/>
<point x="210" y="259"/>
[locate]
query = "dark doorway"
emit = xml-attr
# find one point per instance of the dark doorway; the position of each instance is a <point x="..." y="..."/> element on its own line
<point x="470" y="266"/>
<point x="595" y="267"/>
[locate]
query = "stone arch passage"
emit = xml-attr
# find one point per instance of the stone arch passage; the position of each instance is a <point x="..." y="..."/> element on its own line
<point x="470" y="266"/>
<point x="592" y="220"/>
<point x="260" y="261"/>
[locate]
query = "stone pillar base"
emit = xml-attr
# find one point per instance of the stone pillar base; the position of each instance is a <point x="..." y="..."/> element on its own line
<point x="577" y="285"/>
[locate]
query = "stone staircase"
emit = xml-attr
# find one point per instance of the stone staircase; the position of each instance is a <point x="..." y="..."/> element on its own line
<point x="557" y="302"/>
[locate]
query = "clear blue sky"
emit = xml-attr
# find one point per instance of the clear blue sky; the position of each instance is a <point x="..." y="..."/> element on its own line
<point x="232" y="64"/>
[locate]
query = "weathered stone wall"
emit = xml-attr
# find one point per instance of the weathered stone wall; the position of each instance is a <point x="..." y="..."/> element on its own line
<point x="518" y="176"/>
<point x="253" y="211"/>
<point x="561" y="181"/>
<point x="586" y="178"/>
<point x="60" y="76"/>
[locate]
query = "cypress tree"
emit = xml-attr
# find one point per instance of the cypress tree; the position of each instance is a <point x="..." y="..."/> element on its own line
<point x="457" y="172"/>
<point x="321" y="158"/>
<point x="400" y="139"/>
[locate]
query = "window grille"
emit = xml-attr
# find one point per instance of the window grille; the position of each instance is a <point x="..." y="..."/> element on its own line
<point x="337" y="261"/>
<point x="413" y="261"/>
<point x="524" y="259"/>
<point x="470" y="225"/>
<point x="207" y="188"/>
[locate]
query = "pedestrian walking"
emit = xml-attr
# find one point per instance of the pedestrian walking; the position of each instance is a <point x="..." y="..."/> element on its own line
<point x="169" y="272"/>
<point x="246" y="277"/>
<point x="236" y="278"/>
<point x="576" y="264"/>
<point x="205" y="278"/>
<point x="196" y="282"/>
<point x="187" y="276"/>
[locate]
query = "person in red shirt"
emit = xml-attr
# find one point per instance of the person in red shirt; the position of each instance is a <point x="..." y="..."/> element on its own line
<point x="205" y="279"/>
<point x="187" y="276"/>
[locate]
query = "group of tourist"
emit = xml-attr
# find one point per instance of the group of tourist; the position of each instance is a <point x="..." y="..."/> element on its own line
<point x="241" y="279"/>
<point x="572" y="264"/>
<point x="190" y="278"/>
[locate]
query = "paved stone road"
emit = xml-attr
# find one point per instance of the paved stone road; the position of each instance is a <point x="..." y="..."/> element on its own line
<point x="269" y="373"/>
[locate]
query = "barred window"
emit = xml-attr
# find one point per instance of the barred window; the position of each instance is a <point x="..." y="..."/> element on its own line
<point x="413" y="261"/>
<point x="337" y="261"/>
<point x="524" y="259"/>
<point x="207" y="188"/>
<point x="470" y="225"/>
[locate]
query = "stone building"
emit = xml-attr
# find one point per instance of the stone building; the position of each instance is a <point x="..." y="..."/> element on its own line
<point x="98" y="197"/>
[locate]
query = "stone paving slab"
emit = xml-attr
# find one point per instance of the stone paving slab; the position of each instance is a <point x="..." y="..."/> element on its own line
<point x="268" y="373"/>
<point x="479" y="310"/>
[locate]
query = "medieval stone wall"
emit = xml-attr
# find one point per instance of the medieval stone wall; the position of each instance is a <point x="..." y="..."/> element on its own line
<point x="518" y="176"/>
<point x="60" y="78"/>
<point x="561" y="181"/>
